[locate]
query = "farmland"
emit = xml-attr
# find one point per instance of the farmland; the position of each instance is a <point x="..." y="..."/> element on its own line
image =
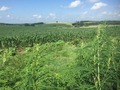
<point x="59" y="57"/>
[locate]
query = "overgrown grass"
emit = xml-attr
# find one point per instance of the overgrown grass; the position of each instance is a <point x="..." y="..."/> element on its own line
<point x="64" y="65"/>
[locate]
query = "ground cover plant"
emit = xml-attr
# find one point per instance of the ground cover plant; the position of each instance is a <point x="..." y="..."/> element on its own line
<point x="59" y="57"/>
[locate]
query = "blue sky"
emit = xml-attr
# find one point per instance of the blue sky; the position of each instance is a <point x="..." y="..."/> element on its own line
<point x="28" y="11"/>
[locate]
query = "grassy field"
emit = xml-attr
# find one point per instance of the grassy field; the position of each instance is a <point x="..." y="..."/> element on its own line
<point x="59" y="57"/>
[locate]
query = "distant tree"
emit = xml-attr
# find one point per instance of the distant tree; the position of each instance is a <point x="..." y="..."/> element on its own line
<point x="33" y="25"/>
<point x="26" y="24"/>
<point x="81" y="23"/>
<point x="78" y="23"/>
<point x="39" y="23"/>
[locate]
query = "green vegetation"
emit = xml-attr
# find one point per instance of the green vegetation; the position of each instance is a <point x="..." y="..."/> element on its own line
<point x="59" y="57"/>
<point x="15" y="35"/>
<point x="89" y="23"/>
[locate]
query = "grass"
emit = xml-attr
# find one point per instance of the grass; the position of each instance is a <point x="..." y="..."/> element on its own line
<point x="72" y="62"/>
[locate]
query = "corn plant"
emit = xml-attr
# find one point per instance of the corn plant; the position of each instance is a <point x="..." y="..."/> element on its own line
<point x="104" y="60"/>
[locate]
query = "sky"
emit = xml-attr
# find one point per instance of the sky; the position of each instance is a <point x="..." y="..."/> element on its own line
<point x="30" y="11"/>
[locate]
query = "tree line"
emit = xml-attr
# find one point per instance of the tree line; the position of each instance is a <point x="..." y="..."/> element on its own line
<point x="89" y="23"/>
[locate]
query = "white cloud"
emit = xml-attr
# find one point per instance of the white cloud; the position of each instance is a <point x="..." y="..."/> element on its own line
<point x="98" y="5"/>
<point x="37" y="16"/>
<point x="74" y="4"/>
<point x="8" y="16"/>
<point x="104" y="12"/>
<point x="85" y="12"/>
<point x="111" y="13"/>
<point x="93" y="0"/>
<point x="117" y="14"/>
<point x="52" y="14"/>
<point x="3" y="8"/>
